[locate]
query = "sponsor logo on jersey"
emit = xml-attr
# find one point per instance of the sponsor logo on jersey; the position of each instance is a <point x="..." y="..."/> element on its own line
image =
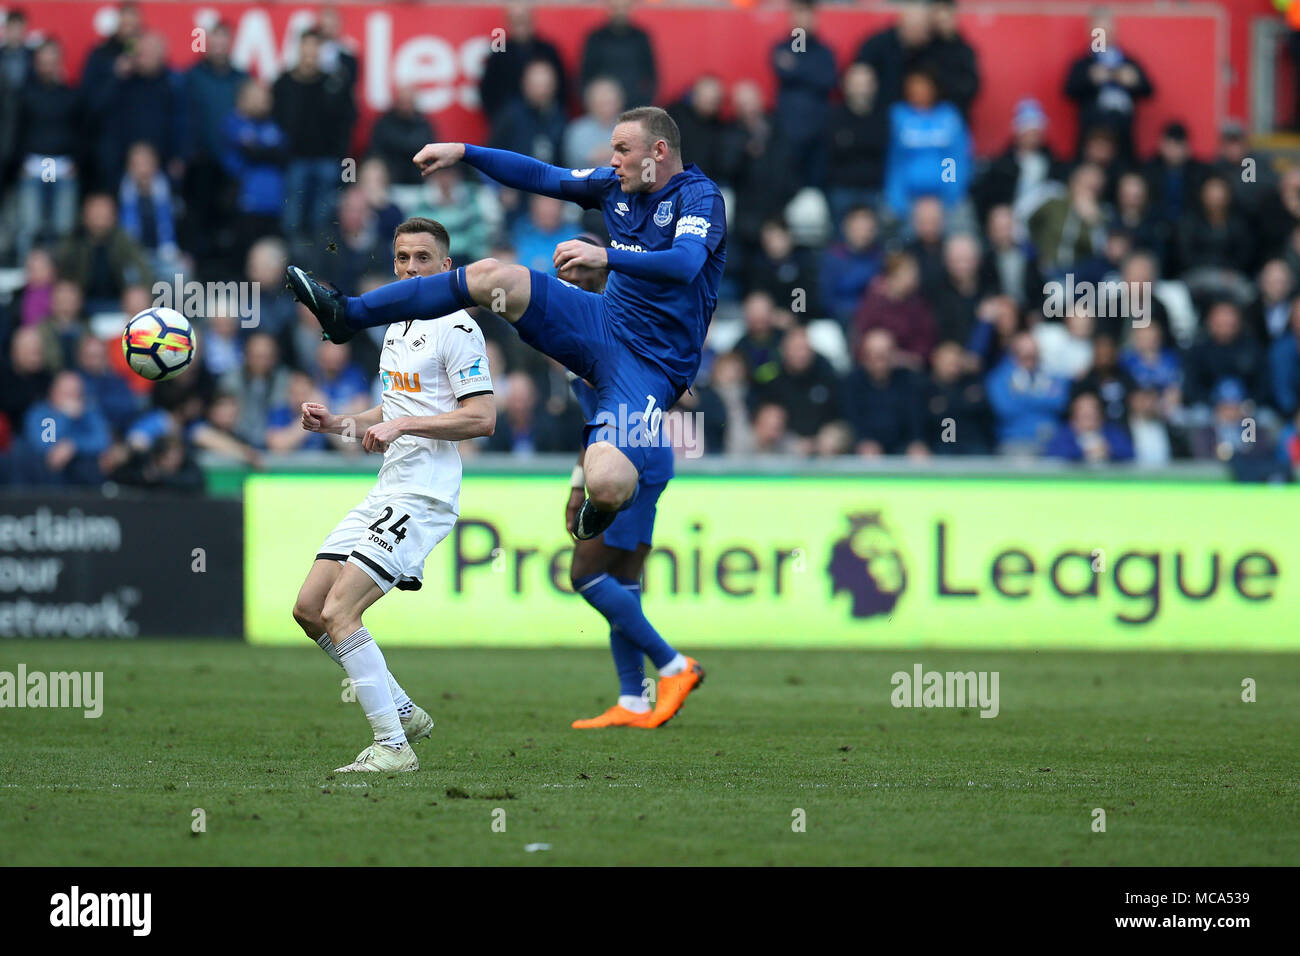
<point x="664" y="214"/>
<point x="582" y="173"/>
<point x="615" y="244"/>
<point x="693" y="226"/>
<point x="474" y="377"/>
<point x="400" y="381"/>
<point x="621" y="209"/>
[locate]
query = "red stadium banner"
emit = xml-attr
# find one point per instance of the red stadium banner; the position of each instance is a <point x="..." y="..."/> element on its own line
<point x="1024" y="50"/>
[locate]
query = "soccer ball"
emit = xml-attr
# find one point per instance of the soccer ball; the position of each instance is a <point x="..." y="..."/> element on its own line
<point x="158" y="344"/>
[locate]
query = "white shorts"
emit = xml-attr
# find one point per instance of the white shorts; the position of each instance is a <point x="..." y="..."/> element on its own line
<point x="389" y="537"/>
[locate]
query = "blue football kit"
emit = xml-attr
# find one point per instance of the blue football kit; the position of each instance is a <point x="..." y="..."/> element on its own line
<point x="640" y="341"/>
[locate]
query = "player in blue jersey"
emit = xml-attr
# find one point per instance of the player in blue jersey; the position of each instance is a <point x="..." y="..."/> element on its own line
<point x="606" y="572"/>
<point x="639" y="343"/>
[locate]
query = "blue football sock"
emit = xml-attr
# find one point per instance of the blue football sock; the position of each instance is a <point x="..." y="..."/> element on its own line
<point x="423" y="297"/>
<point x="629" y="660"/>
<point x="623" y="611"/>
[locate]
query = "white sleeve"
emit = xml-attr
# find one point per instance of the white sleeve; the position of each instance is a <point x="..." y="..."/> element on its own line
<point x="464" y="355"/>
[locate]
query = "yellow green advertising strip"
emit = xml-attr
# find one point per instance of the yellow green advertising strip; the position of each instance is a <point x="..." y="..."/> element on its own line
<point x="831" y="562"/>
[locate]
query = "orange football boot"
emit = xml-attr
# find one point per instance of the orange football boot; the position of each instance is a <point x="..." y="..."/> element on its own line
<point x="616" y="716"/>
<point x="673" y="692"/>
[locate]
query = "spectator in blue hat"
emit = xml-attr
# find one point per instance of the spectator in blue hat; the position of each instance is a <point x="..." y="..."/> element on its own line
<point x="1237" y="437"/>
<point x="1024" y="168"/>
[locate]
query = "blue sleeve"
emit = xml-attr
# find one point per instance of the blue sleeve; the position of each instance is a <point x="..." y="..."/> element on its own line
<point x="231" y="160"/>
<point x="966" y="172"/>
<point x="1121" y="447"/>
<point x="148" y="428"/>
<point x="94" y="435"/>
<point x="586" y="187"/>
<point x="998" y="384"/>
<point x="981" y="339"/>
<point x="680" y="264"/>
<point x="1282" y="366"/>
<point x="957" y="188"/>
<point x="32" y="424"/>
<point x="701" y="225"/>
<point x="895" y="195"/>
<point x="1053" y="400"/>
<point x="1063" y="445"/>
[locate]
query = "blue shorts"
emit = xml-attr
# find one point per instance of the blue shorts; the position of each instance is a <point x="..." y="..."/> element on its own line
<point x="633" y="393"/>
<point x="635" y="524"/>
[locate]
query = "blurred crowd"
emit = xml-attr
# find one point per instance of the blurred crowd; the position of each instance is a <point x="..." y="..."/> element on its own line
<point x="887" y="291"/>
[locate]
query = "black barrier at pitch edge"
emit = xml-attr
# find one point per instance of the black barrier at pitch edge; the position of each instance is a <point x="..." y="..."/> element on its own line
<point x="84" y="565"/>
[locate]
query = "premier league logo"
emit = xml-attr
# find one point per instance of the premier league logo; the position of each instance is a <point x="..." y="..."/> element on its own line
<point x="867" y="564"/>
<point x="664" y="214"/>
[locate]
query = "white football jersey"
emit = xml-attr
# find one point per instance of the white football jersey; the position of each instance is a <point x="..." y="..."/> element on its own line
<point x="425" y="368"/>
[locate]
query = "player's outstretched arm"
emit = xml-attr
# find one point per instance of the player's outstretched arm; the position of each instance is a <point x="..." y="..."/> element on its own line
<point x="317" y="418"/>
<point x="475" y="418"/>
<point x="509" y="169"/>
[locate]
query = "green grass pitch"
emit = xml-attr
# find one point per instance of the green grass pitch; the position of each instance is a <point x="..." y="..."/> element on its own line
<point x="1186" y="772"/>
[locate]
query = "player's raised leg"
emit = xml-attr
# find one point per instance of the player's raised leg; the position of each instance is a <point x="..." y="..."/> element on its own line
<point x="347" y="600"/>
<point x="502" y="287"/>
<point x="307" y="611"/>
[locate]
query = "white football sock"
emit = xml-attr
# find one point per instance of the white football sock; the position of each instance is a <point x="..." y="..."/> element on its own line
<point x="364" y="663"/>
<point x="401" y="699"/>
<point x="637" y="704"/>
<point x="673" y="667"/>
<point x="327" y="646"/>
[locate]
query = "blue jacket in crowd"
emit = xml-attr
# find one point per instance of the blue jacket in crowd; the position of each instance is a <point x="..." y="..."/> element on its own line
<point x="211" y="94"/>
<point x="254" y="156"/>
<point x="1028" y="405"/>
<point x="920" y="143"/>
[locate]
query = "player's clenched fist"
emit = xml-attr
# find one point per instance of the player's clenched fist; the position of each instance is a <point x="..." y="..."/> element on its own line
<point x="575" y="252"/>
<point x="439" y="156"/>
<point x="378" y="437"/>
<point x="316" y="417"/>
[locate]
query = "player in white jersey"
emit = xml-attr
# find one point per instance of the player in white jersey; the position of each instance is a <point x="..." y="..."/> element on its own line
<point x="437" y="391"/>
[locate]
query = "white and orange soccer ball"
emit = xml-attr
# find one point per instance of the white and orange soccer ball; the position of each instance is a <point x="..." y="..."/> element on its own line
<point x="158" y="344"/>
